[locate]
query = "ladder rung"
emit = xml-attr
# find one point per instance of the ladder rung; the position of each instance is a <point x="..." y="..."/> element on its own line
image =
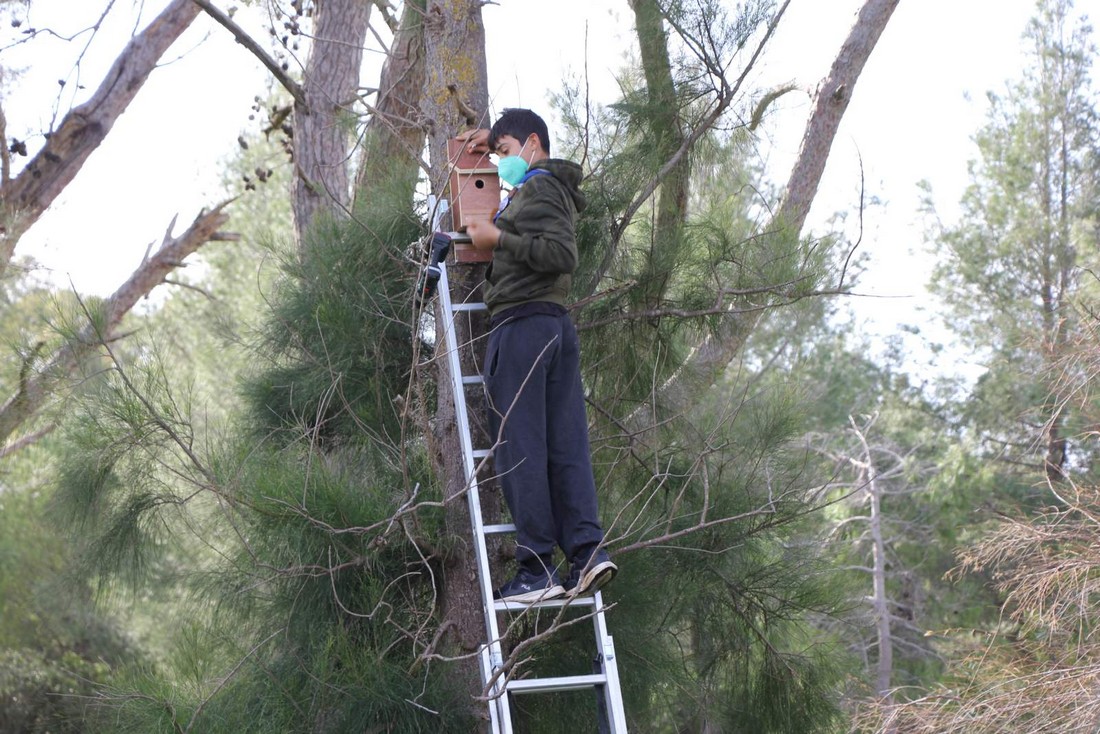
<point x="481" y="453"/>
<point x="563" y="683"/>
<point x="502" y="605"/>
<point x="456" y="307"/>
<point x="498" y="529"/>
<point x="473" y="380"/>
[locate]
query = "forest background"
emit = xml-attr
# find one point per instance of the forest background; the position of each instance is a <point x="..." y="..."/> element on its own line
<point x="228" y="487"/>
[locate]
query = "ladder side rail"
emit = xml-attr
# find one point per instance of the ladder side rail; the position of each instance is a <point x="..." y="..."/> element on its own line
<point x="613" y="694"/>
<point x="473" y="497"/>
<point x="500" y="716"/>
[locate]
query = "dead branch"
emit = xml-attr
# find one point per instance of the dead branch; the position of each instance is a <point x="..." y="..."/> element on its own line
<point x="24" y="441"/>
<point x="24" y="198"/>
<point x="246" y="40"/>
<point x="36" y="390"/>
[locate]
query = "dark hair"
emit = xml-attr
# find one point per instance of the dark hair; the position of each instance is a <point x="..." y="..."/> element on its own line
<point x="519" y="123"/>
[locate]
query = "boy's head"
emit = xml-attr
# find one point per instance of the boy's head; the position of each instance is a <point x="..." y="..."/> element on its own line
<point x="520" y="125"/>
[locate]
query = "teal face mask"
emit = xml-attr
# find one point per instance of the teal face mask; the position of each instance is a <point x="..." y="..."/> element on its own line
<point x="512" y="169"/>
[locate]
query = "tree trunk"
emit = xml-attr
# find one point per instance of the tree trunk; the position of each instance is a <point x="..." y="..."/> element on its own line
<point x="323" y="126"/>
<point x="394" y="136"/>
<point x="1060" y="265"/>
<point x="713" y="355"/>
<point x="880" y="604"/>
<point x="24" y="198"/>
<point x="456" y="80"/>
<point x="668" y="136"/>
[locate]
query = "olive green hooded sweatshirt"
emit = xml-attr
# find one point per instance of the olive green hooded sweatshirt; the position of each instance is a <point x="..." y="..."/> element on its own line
<point x="537" y="252"/>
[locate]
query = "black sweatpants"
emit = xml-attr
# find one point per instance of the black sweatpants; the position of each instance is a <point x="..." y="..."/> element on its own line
<point x="533" y="379"/>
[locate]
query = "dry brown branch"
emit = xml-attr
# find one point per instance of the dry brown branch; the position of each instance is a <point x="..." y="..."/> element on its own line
<point x="37" y="389"/>
<point x="246" y="40"/>
<point x="1039" y="671"/>
<point x="24" y="198"/>
<point x="517" y="658"/>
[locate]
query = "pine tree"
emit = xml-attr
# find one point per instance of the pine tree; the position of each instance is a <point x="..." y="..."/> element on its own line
<point x="1017" y="281"/>
<point x="1013" y="264"/>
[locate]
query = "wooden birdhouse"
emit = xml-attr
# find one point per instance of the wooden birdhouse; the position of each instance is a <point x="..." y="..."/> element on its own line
<point x="474" y="194"/>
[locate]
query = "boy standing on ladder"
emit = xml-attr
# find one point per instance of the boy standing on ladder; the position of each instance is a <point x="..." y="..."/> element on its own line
<point x="532" y="364"/>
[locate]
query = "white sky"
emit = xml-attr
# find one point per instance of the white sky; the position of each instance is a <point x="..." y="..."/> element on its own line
<point x="915" y="108"/>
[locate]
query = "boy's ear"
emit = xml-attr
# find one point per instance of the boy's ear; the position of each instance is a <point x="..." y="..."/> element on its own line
<point x="534" y="142"/>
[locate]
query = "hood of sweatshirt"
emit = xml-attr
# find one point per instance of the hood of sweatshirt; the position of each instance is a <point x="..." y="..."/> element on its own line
<point x="569" y="173"/>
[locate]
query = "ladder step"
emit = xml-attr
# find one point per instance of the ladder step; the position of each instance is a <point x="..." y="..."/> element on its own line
<point x="502" y="605"/>
<point x="457" y="307"/>
<point x="498" y="529"/>
<point x="480" y="453"/>
<point x="563" y="683"/>
<point x="473" y="380"/>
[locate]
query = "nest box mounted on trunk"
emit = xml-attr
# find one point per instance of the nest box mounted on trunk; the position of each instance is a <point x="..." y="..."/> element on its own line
<point x="474" y="193"/>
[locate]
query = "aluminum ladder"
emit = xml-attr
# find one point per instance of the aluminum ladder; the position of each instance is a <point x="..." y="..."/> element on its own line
<point x="605" y="681"/>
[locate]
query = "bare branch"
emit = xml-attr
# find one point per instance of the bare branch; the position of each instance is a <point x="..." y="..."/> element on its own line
<point x="24" y="441"/>
<point x="26" y="197"/>
<point x="34" y="392"/>
<point x="246" y="40"/>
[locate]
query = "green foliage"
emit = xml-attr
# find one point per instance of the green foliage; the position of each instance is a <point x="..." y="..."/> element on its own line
<point x="716" y="600"/>
<point x="1010" y="275"/>
<point x="43" y="695"/>
<point x="128" y="464"/>
<point x="313" y="581"/>
<point x="715" y="617"/>
<point x="336" y="351"/>
<point x="55" y="646"/>
<point x="319" y="610"/>
<point x="308" y="532"/>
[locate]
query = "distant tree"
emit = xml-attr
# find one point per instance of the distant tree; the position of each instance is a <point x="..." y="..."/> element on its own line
<point x="1020" y="286"/>
<point x="888" y="528"/>
<point x="1013" y="265"/>
<point x="1034" y="669"/>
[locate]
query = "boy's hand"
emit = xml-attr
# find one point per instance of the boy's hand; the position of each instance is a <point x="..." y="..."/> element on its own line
<point x="484" y="234"/>
<point x="477" y="141"/>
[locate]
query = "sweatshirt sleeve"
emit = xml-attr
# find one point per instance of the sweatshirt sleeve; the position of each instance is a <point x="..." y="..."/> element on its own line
<point x="545" y="237"/>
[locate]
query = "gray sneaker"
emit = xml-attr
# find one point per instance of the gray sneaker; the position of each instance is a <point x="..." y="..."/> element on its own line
<point x="586" y="577"/>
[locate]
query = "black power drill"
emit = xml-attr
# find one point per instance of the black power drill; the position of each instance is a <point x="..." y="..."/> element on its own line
<point x="439" y="246"/>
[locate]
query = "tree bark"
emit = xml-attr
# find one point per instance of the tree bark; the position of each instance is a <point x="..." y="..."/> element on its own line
<point x="456" y="83"/>
<point x="880" y="604"/>
<point x="323" y="125"/>
<point x="394" y="135"/>
<point x="24" y="198"/>
<point x="668" y="136"/>
<point x="36" y="388"/>
<point x="1059" y="263"/>
<point x="707" y="362"/>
